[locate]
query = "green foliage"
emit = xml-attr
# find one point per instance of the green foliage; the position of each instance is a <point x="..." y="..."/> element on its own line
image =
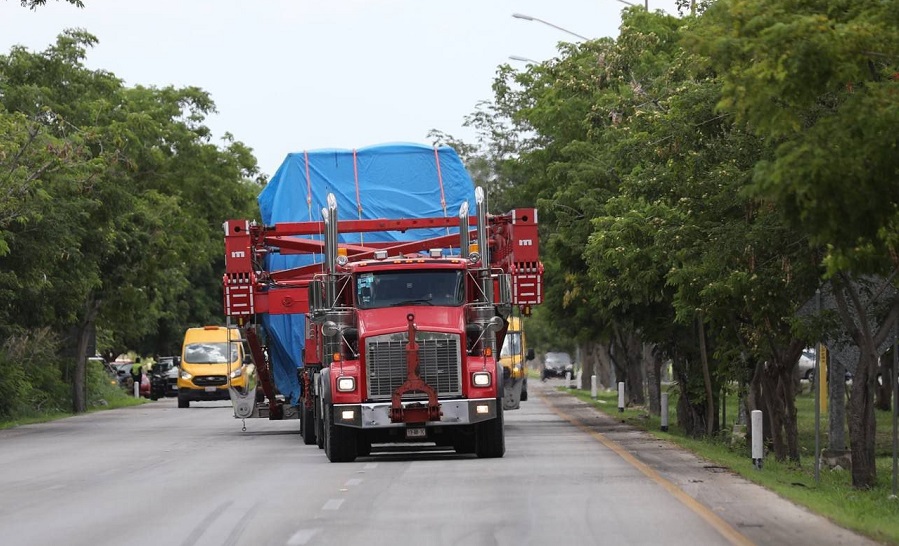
<point x="117" y="196"/>
<point x="818" y="80"/>
<point x="30" y="378"/>
<point x="33" y="4"/>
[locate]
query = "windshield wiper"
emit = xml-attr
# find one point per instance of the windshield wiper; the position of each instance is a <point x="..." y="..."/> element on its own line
<point x="414" y="302"/>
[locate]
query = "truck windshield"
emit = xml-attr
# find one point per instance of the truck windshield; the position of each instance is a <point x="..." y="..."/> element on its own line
<point x="209" y="353"/>
<point x="512" y="344"/>
<point x="418" y="287"/>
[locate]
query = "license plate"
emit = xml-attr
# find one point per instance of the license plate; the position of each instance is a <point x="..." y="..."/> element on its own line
<point x="210" y="389"/>
<point x="418" y="432"/>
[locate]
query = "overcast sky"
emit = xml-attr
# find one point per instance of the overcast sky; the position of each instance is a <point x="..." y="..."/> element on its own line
<point x="289" y="75"/>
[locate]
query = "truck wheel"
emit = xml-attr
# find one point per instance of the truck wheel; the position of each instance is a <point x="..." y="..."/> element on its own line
<point x="307" y="424"/>
<point x="489" y="439"/>
<point x="319" y="427"/>
<point x="183" y="402"/>
<point x="524" y="390"/>
<point x="464" y="443"/>
<point x="340" y="442"/>
<point x="363" y="446"/>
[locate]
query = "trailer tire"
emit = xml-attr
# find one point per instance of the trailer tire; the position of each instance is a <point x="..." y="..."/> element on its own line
<point x="490" y="442"/>
<point x="340" y="442"/>
<point x="183" y="402"/>
<point x="307" y="424"/>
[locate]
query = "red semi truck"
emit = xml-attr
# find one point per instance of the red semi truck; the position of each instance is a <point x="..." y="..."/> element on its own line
<point x="402" y="338"/>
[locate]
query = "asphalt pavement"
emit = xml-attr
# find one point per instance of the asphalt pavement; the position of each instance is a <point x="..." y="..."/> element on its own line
<point x="753" y="511"/>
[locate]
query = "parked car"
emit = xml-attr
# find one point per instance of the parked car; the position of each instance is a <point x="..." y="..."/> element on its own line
<point x="806" y="365"/>
<point x="557" y="365"/>
<point x="164" y="377"/>
<point x="126" y="381"/>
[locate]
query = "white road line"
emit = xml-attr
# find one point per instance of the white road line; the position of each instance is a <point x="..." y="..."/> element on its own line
<point x="302" y="536"/>
<point x="370" y="466"/>
<point x="332" y="504"/>
<point x="352" y="482"/>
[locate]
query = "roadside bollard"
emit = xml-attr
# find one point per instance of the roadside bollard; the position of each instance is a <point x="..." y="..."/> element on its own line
<point x="593" y="392"/>
<point x="568" y="379"/>
<point x="621" y="397"/>
<point x="137" y="389"/>
<point x="758" y="451"/>
<point x="664" y="412"/>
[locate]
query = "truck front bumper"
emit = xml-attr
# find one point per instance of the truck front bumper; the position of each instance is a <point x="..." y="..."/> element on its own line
<point x="452" y="412"/>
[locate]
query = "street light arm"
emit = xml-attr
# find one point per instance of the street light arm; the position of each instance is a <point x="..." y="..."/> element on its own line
<point x="565" y="30"/>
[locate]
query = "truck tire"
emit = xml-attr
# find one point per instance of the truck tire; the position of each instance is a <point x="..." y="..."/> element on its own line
<point x="183" y="402"/>
<point x="340" y="442"/>
<point x="524" y="390"/>
<point x="307" y="424"/>
<point x="490" y="442"/>
<point x="464" y="443"/>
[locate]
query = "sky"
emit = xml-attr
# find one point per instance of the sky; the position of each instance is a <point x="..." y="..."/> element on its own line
<point x="293" y="75"/>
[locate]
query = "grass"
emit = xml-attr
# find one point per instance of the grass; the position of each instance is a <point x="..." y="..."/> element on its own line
<point x="873" y="513"/>
<point x="104" y="397"/>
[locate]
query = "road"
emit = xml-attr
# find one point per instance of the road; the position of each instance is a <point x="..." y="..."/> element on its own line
<point x="156" y="474"/>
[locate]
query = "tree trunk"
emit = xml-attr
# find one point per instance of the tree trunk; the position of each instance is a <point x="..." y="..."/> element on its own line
<point x="836" y="387"/>
<point x="691" y="414"/>
<point x="604" y="359"/>
<point x="594" y="365"/>
<point x="862" y="426"/>
<point x="635" y="379"/>
<point x="652" y="359"/>
<point x="706" y="379"/>
<point x="79" y="381"/>
<point x="885" y="386"/>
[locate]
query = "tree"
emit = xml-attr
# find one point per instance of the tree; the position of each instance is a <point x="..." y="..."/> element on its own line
<point x="818" y="81"/>
<point x="33" y="4"/>
<point x="122" y="231"/>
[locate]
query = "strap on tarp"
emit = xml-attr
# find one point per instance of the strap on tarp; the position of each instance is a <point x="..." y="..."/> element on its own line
<point x="358" y="200"/>
<point x="440" y="181"/>
<point x="308" y="185"/>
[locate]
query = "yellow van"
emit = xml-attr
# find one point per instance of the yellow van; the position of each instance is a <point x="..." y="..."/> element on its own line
<point x="513" y="357"/>
<point x="206" y="367"/>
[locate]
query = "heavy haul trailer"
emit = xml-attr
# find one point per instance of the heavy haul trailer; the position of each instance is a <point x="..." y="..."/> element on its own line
<point x="400" y="337"/>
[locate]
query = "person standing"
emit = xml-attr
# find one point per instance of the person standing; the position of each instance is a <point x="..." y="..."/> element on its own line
<point x="136" y="375"/>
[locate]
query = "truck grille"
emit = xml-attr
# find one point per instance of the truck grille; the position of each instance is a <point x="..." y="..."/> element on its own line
<point x="439" y="358"/>
<point x="210" y="380"/>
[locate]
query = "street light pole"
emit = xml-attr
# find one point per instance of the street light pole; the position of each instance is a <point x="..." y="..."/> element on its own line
<point x="529" y="18"/>
<point x="646" y="5"/>
<point x="523" y="59"/>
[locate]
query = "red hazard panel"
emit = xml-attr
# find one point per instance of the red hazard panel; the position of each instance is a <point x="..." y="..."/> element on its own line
<point x="524" y="236"/>
<point x="238" y="294"/>
<point x="239" y="277"/>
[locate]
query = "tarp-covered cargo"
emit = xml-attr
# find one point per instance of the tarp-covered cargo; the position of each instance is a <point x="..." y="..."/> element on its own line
<point x="384" y="181"/>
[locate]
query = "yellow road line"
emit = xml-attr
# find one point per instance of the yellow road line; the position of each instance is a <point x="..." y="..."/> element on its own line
<point x="724" y="529"/>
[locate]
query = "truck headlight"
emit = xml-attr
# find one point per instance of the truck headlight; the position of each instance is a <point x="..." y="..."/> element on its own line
<point x="481" y="379"/>
<point x="186" y="375"/>
<point x="346" y="384"/>
<point x="236" y="373"/>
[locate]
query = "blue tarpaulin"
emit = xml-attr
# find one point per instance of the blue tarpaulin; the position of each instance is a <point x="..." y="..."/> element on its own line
<point x="384" y="181"/>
